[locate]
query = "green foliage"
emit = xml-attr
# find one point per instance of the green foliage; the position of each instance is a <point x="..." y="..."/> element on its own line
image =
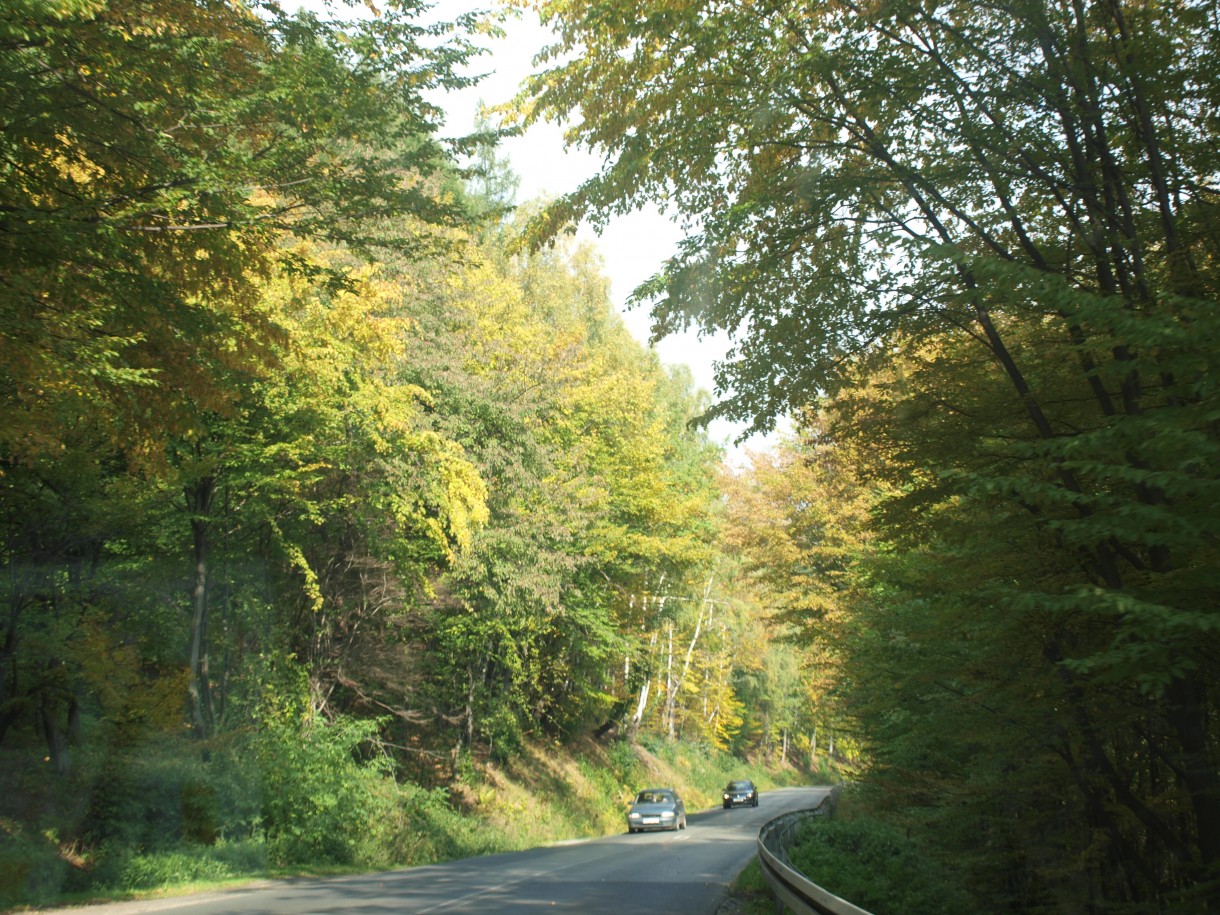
<point x="154" y="154"/>
<point x="182" y="866"/>
<point x="424" y="827"/>
<point x="328" y="795"/>
<point x="596" y="484"/>
<point x="320" y="791"/>
<point x="550" y="793"/>
<point x="978" y="239"/>
<point x="32" y="872"/>
<point x="752" y="881"/>
<point x="151" y="799"/>
<point x="752" y="892"/>
<point x="877" y="868"/>
<point x="286" y="434"/>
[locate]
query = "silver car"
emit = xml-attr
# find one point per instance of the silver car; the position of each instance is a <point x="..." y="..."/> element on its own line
<point x="656" y="808"/>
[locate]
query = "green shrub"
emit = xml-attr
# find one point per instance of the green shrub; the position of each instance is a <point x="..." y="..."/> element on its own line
<point x="318" y="794"/>
<point x="171" y="793"/>
<point x="874" y="866"/>
<point x="420" y="826"/>
<point x="136" y="799"/>
<point x="501" y="728"/>
<point x="119" y="869"/>
<point x="31" y="870"/>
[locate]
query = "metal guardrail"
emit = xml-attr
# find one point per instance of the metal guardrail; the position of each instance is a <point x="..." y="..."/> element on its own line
<point x="793" y="890"/>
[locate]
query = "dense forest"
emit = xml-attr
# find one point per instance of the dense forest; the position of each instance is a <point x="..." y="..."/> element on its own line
<point x="975" y="247"/>
<point x="316" y="487"/>
<point x="328" y="469"/>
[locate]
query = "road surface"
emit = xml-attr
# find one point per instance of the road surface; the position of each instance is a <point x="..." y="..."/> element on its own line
<point x="667" y="873"/>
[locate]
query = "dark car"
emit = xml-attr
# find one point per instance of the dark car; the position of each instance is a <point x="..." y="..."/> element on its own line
<point x="656" y="808"/>
<point x="740" y="794"/>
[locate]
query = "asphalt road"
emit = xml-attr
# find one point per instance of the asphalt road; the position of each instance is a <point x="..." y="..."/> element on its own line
<point x="669" y="873"/>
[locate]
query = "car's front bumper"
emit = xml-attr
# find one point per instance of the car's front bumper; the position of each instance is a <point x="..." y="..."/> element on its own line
<point x="651" y="824"/>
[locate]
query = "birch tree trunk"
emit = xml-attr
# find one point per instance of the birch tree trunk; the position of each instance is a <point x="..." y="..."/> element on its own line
<point x="642" y="703"/>
<point x="199" y="502"/>
<point x="671" y="699"/>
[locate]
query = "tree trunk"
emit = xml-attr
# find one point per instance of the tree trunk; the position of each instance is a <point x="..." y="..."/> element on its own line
<point x="470" y="687"/>
<point x="641" y="705"/>
<point x="646" y="687"/>
<point x="57" y="742"/>
<point x="199" y="502"/>
<point x="668" y="711"/>
<point x="8" y="670"/>
<point x="671" y="699"/>
<point x="1188" y="715"/>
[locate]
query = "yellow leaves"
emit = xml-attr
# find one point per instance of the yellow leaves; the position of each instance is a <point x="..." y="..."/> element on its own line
<point x="310" y="585"/>
<point x="449" y="503"/>
<point x="466" y="496"/>
<point x="71" y="163"/>
<point x="73" y="9"/>
<point x="342" y="397"/>
<point x="354" y="327"/>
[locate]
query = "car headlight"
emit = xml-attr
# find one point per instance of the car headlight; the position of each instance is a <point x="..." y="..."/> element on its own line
<point x="726" y="797"/>
<point x="633" y="815"/>
<point x="668" y="814"/>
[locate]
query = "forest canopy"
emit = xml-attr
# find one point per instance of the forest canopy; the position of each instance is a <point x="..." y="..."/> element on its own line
<point x="329" y="471"/>
<point x="315" y="490"/>
<point x="976" y="247"/>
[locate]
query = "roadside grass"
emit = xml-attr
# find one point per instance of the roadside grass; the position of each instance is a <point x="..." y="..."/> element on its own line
<point x="548" y="793"/>
<point x="545" y="794"/>
<point x="750" y="894"/>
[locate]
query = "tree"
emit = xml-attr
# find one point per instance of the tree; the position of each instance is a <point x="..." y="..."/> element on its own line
<point x="595" y="483"/>
<point x="798" y="518"/>
<point x="1019" y="197"/>
<point x="155" y="157"/>
<point x="334" y="459"/>
<point x="153" y="153"/>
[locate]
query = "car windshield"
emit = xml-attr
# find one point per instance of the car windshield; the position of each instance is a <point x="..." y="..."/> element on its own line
<point x="739" y="786"/>
<point x="654" y="797"/>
